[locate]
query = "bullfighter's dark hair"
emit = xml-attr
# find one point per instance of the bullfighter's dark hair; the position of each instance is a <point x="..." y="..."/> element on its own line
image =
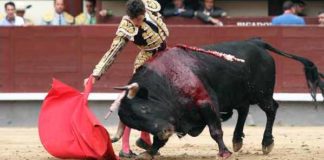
<point x="135" y="8"/>
<point x="320" y="12"/>
<point x="10" y="4"/>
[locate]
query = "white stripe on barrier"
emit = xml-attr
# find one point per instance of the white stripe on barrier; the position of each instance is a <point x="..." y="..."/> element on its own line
<point x="294" y="97"/>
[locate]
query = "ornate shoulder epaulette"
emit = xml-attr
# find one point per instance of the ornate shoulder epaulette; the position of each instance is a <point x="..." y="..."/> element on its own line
<point x="126" y="28"/>
<point x="152" y="5"/>
<point x="48" y="17"/>
<point x="68" y="18"/>
<point x="80" y="19"/>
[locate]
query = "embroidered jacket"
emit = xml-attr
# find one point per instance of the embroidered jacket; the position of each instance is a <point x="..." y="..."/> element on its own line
<point x="148" y="37"/>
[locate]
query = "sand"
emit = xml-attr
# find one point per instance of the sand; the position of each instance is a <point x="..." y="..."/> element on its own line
<point x="291" y="143"/>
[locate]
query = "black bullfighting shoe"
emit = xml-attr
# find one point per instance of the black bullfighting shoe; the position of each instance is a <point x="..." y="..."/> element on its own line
<point x="122" y="154"/>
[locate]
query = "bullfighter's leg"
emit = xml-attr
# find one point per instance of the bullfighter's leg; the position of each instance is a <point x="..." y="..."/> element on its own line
<point x="238" y="132"/>
<point x="157" y="144"/>
<point x="126" y="151"/>
<point x="145" y="141"/>
<point x="270" y="107"/>
<point x="212" y="119"/>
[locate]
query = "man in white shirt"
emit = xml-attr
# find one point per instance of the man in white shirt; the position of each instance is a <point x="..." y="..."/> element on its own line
<point x="11" y="19"/>
<point x="59" y="17"/>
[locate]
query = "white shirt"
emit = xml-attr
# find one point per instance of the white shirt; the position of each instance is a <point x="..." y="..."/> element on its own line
<point x="59" y="19"/>
<point x="18" y="21"/>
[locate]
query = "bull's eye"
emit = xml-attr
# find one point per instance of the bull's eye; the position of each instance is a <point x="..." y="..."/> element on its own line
<point x="144" y="109"/>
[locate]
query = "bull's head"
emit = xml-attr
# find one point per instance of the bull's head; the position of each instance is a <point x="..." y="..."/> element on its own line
<point x="139" y="110"/>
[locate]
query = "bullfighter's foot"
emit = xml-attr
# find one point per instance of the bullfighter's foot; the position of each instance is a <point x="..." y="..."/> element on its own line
<point x="123" y="154"/>
<point x="237" y="146"/>
<point x="144" y="156"/>
<point x="267" y="149"/>
<point x="224" y="154"/>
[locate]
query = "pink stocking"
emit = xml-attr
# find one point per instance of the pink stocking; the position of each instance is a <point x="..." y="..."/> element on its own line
<point x="125" y="140"/>
<point x="146" y="137"/>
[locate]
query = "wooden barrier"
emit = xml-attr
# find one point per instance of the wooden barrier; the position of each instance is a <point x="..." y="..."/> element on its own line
<point x="31" y="56"/>
<point x="236" y="21"/>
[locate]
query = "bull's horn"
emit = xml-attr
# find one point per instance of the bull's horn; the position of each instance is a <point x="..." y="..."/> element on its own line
<point x="132" y="89"/>
<point x="119" y="133"/>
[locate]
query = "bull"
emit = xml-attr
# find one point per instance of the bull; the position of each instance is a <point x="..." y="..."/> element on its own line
<point x="182" y="92"/>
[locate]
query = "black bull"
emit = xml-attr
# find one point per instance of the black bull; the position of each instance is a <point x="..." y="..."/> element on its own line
<point x="181" y="92"/>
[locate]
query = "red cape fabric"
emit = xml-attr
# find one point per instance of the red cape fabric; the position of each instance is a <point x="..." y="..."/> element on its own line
<point x="68" y="129"/>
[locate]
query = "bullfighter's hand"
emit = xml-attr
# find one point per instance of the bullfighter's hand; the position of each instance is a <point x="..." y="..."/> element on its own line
<point x="86" y="80"/>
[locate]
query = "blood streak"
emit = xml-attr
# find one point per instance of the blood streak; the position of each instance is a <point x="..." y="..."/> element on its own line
<point x="176" y="66"/>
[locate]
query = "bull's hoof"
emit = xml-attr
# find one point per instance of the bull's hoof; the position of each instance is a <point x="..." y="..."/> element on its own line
<point x="267" y="149"/>
<point x="224" y="154"/>
<point x="237" y="146"/>
<point x="144" y="156"/>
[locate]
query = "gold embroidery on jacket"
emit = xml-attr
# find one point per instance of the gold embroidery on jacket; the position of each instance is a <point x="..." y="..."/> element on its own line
<point x="106" y="61"/>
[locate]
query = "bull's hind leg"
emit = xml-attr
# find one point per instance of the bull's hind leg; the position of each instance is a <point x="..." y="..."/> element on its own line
<point x="238" y="132"/>
<point x="270" y="107"/>
<point x="213" y="121"/>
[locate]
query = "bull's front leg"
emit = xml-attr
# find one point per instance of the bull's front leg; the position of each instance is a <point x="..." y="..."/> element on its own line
<point x="213" y="121"/>
<point x="149" y="154"/>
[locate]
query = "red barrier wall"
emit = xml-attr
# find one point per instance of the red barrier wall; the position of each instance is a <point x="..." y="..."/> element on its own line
<point x="31" y="56"/>
<point x="239" y="21"/>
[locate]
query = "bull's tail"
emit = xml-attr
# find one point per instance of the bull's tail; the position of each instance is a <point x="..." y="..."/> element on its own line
<point x="313" y="77"/>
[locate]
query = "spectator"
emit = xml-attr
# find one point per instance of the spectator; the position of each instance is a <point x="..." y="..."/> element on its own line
<point x="89" y="17"/>
<point x="21" y="10"/>
<point x="209" y="13"/>
<point x="59" y="16"/>
<point x="300" y="7"/>
<point x="289" y="16"/>
<point x="177" y="8"/>
<point x="11" y="19"/>
<point x="321" y="18"/>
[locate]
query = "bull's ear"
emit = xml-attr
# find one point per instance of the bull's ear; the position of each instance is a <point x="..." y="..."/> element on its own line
<point x="143" y="93"/>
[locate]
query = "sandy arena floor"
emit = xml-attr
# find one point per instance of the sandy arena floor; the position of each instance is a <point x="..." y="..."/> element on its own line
<point x="291" y="143"/>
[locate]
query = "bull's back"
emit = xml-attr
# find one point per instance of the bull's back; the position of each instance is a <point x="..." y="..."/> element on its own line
<point x="234" y="82"/>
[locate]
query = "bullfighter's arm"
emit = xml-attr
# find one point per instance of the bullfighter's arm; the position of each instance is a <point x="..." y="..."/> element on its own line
<point x="125" y="32"/>
<point x="108" y="58"/>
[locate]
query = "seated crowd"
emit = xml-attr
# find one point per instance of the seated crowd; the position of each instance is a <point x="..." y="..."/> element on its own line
<point x="204" y="10"/>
